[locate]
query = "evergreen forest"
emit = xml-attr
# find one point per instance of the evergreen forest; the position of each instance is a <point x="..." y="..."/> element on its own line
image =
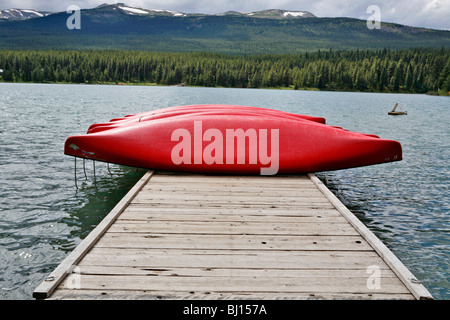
<point x="407" y="71"/>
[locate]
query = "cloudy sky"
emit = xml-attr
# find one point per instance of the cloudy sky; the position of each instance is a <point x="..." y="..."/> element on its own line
<point x="421" y="13"/>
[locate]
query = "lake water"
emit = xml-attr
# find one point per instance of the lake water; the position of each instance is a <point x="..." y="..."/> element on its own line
<point x="43" y="217"/>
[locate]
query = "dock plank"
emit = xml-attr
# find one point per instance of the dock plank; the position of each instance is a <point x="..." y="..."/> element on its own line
<point x="146" y="215"/>
<point x="229" y="272"/>
<point x="236" y="242"/>
<point x="216" y="227"/>
<point x="238" y="284"/>
<point x="70" y="294"/>
<point x="245" y="259"/>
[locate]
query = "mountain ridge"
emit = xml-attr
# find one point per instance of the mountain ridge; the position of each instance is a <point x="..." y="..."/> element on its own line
<point x="23" y="14"/>
<point x="127" y="28"/>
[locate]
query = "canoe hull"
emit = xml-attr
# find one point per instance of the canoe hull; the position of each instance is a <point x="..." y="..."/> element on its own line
<point x="234" y="144"/>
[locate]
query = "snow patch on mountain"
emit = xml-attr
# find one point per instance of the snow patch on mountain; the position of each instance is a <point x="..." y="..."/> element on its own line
<point x="134" y="10"/>
<point x="294" y="13"/>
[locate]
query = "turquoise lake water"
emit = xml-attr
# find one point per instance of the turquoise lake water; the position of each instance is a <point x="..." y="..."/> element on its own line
<point x="43" y="216"/>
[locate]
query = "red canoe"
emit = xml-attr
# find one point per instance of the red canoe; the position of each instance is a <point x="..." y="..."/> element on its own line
<point x="230" y="140"/>
<point x="179" y="110"/>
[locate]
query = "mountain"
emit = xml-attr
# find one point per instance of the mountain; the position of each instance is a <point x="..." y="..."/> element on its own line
<point x="272" y="13"/>
<point x="124" y="9"/>
<point x="22" y="14"/>
<point x="274" y="31"/>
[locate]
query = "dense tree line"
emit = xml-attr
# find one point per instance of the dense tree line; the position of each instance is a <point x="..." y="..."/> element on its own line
<point x="413" y="70"/>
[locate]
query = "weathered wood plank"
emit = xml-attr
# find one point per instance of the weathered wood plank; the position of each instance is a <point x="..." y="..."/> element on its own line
<point x="230" y="272"/>
<point x="230" y="188"/>
<point x="241" y="199"/>
<point x="262" y="211"/>
<point x="238" y="197"/>
<point x="228" y="205"/>
<point x="190" y="177"/>
<point x="145" y="215"/>
<point x="235" y="187"/>
<point x="238" y="184"/>
<point x="69" y="294"/>
<point x="232" y="284"/>
<point x="234" y="242"/>
<point x="234" y="228"/>
<point x="245" y="259"/>
<point x="242" y="209"/>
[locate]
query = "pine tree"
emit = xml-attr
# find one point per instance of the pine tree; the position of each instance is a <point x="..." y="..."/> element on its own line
<point x="396" y="79"/>
<point x="444" y="78"/>
<point x="7" y="75"/>
<point x="408" y="79"/>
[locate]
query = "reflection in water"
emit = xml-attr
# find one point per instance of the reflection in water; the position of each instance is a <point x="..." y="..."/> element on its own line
<point x="98" y="194"/>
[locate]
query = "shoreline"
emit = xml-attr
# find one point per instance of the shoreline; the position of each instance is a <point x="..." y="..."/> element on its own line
<point x="291" y="87"/>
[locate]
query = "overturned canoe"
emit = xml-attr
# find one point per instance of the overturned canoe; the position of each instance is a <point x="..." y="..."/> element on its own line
<point x="190" y="109"/>
<point x="230" y="140"/>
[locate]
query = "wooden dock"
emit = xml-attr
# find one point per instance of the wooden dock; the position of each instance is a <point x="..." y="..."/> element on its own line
<point x="186" y="236"/>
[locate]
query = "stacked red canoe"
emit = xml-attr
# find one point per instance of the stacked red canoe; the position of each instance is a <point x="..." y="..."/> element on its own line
<point x="228" y="139"/>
